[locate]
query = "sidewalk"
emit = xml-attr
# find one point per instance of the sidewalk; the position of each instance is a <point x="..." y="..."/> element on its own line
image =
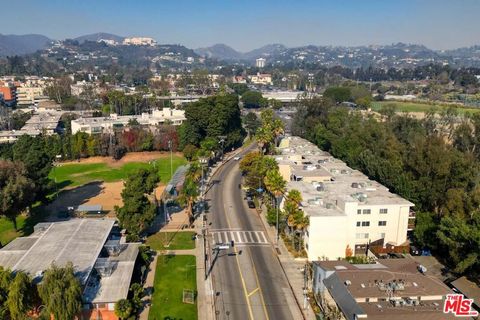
<point x="293" y="269"/>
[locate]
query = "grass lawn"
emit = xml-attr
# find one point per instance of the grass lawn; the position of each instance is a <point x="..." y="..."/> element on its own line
<point x="172" y="275"/>
<point x="177" y="240"/>
<point x="417" y="107"/>
<point x="78" y="174"/>
<point x="24" y="225"/>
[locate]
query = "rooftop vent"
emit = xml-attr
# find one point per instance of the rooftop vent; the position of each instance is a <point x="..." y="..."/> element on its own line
<point x="329" y="205"/>
<point x="348" y="282"/>
<point x="354" y="185"/>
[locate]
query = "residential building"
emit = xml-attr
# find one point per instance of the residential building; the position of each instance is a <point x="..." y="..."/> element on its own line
<point x="102" y="260"/>
<point x="139" y="41"/>
<point x="347" y="210"/>
<point x="391" y="289"/>
<point x="260" y="63"/>
<point x="114" y="121"/>
<point x="261" y="78"/>
<point x="239" y="79"/>
<point x="469" y="289"/>
<point x="8" y="94"/>
<point x="43" y="122"/>
<point x="27" y="95"/>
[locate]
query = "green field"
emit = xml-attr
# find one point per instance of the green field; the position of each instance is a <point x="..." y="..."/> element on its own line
<point x="173" y="274"/>
<point x="24" y="225"/>
<point x="417" y="107"/>
<point x="175" y="241"/>
<point x="78" y="174"/>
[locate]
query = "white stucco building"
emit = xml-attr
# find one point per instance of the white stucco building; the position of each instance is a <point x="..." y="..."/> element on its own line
<point x="347" y="210"/>
<point x="107" y="124"/>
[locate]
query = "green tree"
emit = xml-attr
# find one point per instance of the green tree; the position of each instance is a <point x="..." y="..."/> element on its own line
<point x="252" y="123"/>
<point x="61" y="292"/>
<point x="338" y="94"/>
<point x="16" y="190"/>
<point x="123" y="308"/>
<point x="137" y="212"/>
<point x="21" y="296"/>
<point x="6" y="278"/>
<point x="252" y="99"/>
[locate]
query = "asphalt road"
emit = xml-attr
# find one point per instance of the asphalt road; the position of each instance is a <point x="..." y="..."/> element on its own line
<point x="248" y="279"/>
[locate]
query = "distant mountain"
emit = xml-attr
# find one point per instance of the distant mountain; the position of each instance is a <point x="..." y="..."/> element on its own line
<point x="223" y="52"/>
<point x="265" y="51"/>
<point x="219" y="51"/>
<point x="22" y="44"/>
<point x="98" y="36"/>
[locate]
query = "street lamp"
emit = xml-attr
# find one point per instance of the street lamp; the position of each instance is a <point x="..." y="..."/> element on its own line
<point x="171" y="165"/>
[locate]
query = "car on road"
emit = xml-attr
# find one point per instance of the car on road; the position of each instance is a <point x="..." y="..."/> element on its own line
<point x="236" y="158"/>
<point x="251" y="204"/>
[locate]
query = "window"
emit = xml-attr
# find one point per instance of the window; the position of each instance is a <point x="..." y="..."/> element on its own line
<point x="358" y="223"/>
<point x="361" y="235"/>
<point x="367" y="211"/>
<point x="382" y="235"/>
<point x="359" y="211"/>
<point x="382" y="223"/>
<point x="383" y="210"/>
<point x="365" y="223"/>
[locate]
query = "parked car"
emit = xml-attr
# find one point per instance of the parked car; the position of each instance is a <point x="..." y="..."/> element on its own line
<point x="414" y="251"/>
<point x="236" y="158"/>
<point x="426" y="252"/>
<point x="251" y="204"/>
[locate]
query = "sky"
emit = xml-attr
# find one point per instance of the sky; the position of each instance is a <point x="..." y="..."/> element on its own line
<point x="249" y="24"/>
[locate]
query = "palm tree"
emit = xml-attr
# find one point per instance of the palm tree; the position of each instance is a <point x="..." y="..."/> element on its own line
<point x="264" y="137"/>
<point x="275" y="185"/>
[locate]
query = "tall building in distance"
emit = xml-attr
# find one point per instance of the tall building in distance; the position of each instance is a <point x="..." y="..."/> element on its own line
<point x="139" y="41"/>
<point x="260" y="62"/>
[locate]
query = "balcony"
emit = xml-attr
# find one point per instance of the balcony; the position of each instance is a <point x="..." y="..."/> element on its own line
<point x="411" y="220"/>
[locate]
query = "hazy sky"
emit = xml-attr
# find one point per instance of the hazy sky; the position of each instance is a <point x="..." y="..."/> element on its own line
<point x="248" y="24"/>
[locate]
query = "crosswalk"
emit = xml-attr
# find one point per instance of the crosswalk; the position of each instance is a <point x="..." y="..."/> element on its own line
<point x="241" y="238"/>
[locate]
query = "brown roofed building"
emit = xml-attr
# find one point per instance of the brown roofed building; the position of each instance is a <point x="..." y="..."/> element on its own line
<point x="393" y="289"/>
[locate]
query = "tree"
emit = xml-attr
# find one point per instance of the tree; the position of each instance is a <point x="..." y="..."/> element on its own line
<point x="61" y="292"/>
<point x="252" y="123"/>
<point x="253" y="99"/>
<point x="16" y="190"/>
<point x="123" y="308"/>
<point x="338" y="94"/>
<point x="33" y="152"/>
<point x="137" y="212"/>
<point x="21" y="296"/>
<point x="189" y="152"/>
<point x="6" y="278"/>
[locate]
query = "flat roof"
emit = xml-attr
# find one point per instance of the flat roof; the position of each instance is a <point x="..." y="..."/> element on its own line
<point x="339" y="183"/>
<point x="78" y="241"/>
<point x="115" y="286"/>
<point x="469" y="288"/>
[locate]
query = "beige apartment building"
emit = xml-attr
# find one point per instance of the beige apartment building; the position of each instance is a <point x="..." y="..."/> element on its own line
<point x="347" y="210"/>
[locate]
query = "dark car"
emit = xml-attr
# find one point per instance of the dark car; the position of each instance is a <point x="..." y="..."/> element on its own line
<point x="251" y="204"/>
<point x="414" y="251"/>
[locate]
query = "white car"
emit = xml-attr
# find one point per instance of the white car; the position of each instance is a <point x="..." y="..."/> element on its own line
<point x="236" y="158"/>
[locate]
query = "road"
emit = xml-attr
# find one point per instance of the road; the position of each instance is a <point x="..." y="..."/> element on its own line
<point x="248" y="279"/>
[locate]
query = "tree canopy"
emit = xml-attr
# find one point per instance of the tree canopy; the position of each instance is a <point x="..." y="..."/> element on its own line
<point x="61" y="292"/>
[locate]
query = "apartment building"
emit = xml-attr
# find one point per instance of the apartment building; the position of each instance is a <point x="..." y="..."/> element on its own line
<point x="390" y="289"/>
<point x="347" y="210"/>
<point x="139" y="41"/>
<point x="261" y="78"/>
<point x="114" y="121"/>
<point x="27" y="95"/>
<point x="8" y="94"/>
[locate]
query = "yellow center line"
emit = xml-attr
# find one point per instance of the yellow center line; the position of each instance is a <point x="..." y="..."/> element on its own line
<point x="240" y="269"/>
<point x="255" y="290"/>
<point x="260" y="288"/>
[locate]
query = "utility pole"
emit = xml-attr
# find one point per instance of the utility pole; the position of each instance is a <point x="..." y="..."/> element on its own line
<point x="219" y="247"/>
<point x="171" y="161"/>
